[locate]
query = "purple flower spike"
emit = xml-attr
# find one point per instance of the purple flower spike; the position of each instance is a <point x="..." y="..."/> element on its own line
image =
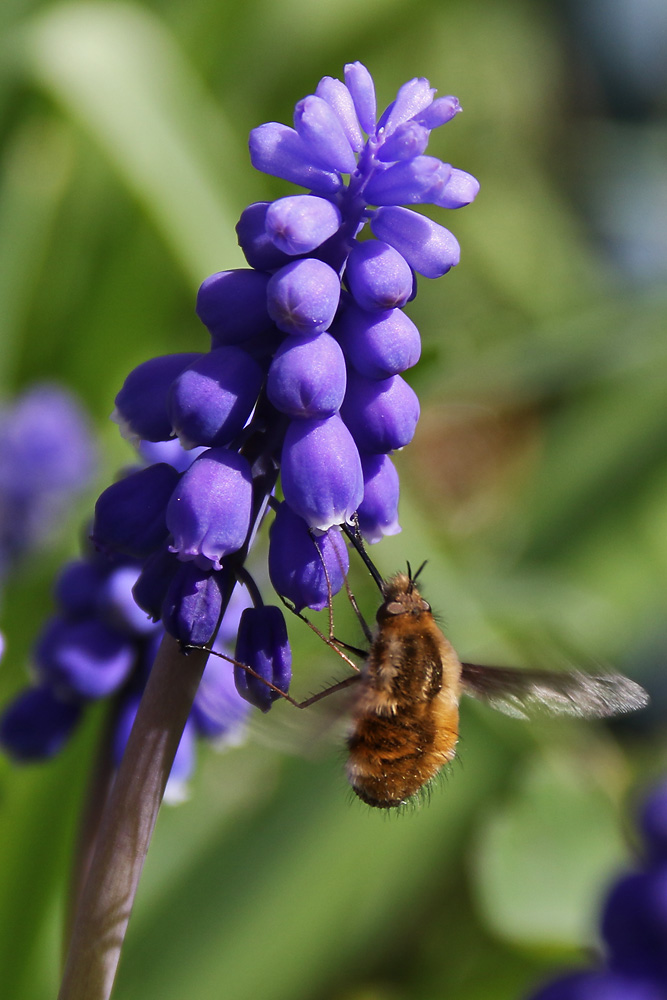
<point x="232" y="305"/>
<point x="339" y="99"/>
<point x="259" y="250"/>
<point x="297" y="561"/>
<point x="84" y="658"/>
<point x="321" y="472"/>
<point x="219" y="713"/>
<point x="302" y="297"/>
<point x="378" y="276"/>
<point x="280" y="151"/>
<point x="210" y="402"/>
<point x="320" y="129"/>
<point x="378" y="344"/>
<point x="209" y="512"/>
<point x="360" y="84"/>
<point x="429" y="249"/>
<point x="37" y="724"/>
<point x="130" y="514"/>
<point x="141" y="405"/>
<point x="307" y="377"/>
<point x="262" y="644"/>
<point x="381" y="415"/>
<point x="378" y="511"/>
<point x="301" y="222"/>
<point x="192" y="604"/>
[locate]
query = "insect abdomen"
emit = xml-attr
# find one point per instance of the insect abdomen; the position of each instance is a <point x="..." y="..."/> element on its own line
<point x="393" y="757"/>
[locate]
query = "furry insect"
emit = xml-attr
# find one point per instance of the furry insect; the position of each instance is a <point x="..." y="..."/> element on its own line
<point x="405" y="716"/>
<point x="405" y="705"/>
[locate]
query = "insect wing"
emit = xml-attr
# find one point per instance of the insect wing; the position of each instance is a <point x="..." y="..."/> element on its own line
<point x="524" y="693"/>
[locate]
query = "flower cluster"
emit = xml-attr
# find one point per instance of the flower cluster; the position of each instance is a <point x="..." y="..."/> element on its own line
<point x="304" y="376"/>
<point x="100" y="644"/>
<point x="634" y="926"/>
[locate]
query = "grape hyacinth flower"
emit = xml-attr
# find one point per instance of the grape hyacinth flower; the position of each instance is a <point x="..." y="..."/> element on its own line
<point x="303" y="385"/>
<point x="633" y="925"/>
<point x="100" y="644"/>
<point x="301" y="395"/>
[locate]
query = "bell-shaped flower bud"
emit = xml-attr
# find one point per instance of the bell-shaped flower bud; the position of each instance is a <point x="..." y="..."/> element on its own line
<point x="307" y="376"/>
<point x="378" y="511"/>
<point x="258" y="248"/>
<point x="78" y="586"/>
<point x="460" y="190"/>
<point x="439" y="113"/>
<point x="86" y="658"/>
<point x="339" y="99"/>
<point x="378" y="276"/>
<point x="116" y="603"/>
<point x="130" y="514"/>
<point x="218" y="712"/>
<point x="381" y="415"/>
<point x="300" y="563"/>
<point x="302" y="297"/>
<point x="378" y="344"/>
<point x="360" y="84"/>
<point x="37" y="724"/>
<point x="150" y="588"/>
<point x="262" y="644"/>
<point x="321" y="471"/>
<point x="429" y="249"/>
<point x="409" y="140"/>
<point x="210" y="402"/>
<point x="408" y="182"/>
<point x="208" y="513"/>
<point x="193" y="603"/>
<point x="412" y="100"/>
<point x="232" y="306"/>
<point x="323" y="135"/>
<point x="280" y="151"/>
<point x="141" y="404"/>
<point x="301" y="222"/>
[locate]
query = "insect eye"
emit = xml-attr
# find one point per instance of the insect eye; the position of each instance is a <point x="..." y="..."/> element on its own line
<point x="425" y="606"/>
<point x="395" y="608"/>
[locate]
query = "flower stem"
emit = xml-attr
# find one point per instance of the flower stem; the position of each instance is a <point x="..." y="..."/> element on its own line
<point x="128" y="822"/>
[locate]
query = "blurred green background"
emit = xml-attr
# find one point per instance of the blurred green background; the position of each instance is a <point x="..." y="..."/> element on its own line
<point x="536" y="486"/>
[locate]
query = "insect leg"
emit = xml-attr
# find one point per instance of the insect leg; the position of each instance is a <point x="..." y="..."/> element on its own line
<point x="339" y="686"/>
<point x="336" y="644"/>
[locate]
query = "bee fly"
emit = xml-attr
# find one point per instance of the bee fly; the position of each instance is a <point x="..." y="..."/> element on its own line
<point x="405" y="715"/>
<point x="405" y="704"/>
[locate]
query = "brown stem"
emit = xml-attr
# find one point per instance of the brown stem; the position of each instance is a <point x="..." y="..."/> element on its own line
<point x="128" y="822"/>
<point x="97" y="792"/>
